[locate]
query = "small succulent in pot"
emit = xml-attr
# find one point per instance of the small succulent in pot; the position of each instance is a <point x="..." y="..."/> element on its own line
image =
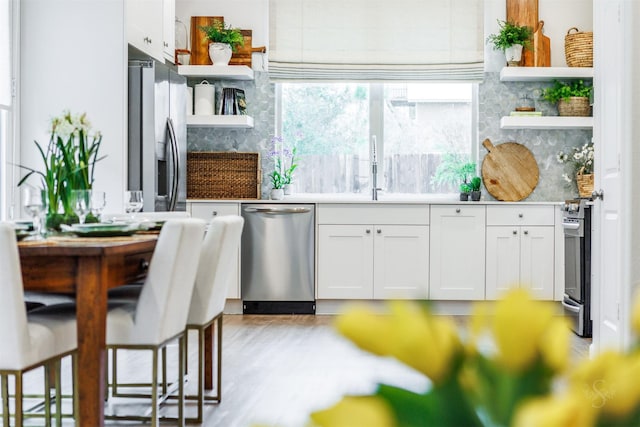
<point x="475" y="184"/>
<point x="465" y="189"/>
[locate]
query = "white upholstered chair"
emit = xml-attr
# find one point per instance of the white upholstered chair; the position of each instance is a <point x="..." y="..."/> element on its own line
<point x="219" y="249"/>
<point x="27" y="341"/>
<point x="159" y="315"/>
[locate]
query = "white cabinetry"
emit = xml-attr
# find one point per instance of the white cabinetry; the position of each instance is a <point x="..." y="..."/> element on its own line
<point x="209" y="210"/>
<point x="457" y="263"/>
<point x="520" y="250"/>
<point x="169" y="29"/>
<point x="373" y="251"/>
<point x="145" y="26"/>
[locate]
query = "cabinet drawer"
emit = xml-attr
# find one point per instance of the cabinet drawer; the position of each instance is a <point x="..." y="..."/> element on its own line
<point x="373" y="213"/>
<point x="207" y="211"/>
<point x="520" y="215"/>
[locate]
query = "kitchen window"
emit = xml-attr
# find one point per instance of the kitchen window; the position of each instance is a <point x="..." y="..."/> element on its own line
<point x="416" y="126"/>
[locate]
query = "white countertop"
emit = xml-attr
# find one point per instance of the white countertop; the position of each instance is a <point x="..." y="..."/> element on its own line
<point x="431" y="199"/>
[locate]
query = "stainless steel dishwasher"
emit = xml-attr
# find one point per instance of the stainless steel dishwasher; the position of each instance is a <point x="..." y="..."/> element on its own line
<point x="278" y="259"/>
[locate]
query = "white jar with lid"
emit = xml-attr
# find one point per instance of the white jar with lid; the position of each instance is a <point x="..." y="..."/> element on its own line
<point x="204" y="96"/>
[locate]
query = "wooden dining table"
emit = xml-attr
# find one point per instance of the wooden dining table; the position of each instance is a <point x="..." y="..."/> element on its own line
<point x="87" y="268"/>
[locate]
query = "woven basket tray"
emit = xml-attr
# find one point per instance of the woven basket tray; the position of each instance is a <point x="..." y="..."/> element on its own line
<point x="578" y="48"/>
<point x="576" y="106"/>
<point x="585" y="184"/>
<point x="221" y="175"/>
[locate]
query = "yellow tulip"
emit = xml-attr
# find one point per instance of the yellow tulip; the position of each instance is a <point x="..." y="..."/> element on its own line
<point x="555" y="344"/>
<point x="412" y="335"/>
<point x="518" y="326"/>
<point x="635" y="316"/>
<point x="566" y="411"/>
<point x="610" y="382"/>
<point x="356" y="411"/>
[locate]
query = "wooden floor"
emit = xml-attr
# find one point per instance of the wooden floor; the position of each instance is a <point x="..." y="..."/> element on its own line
<point x="278" y="369"/>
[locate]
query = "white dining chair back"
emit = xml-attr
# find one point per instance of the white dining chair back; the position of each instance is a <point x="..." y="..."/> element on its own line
<point x="16" y="351"/>
<point x="163" y="306"/>
<point x="215" y="269"/>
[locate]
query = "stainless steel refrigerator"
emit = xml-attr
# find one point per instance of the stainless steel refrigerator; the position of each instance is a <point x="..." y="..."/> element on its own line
<point x="157" y="144"/>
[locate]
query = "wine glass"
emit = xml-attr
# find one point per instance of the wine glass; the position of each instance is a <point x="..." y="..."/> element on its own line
<point x="98" y="202"/>
<point x="81" y="202"/>
<point x="35" y="204"/>
<point x="133" y="201"/>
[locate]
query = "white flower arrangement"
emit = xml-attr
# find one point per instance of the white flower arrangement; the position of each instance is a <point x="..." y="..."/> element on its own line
<point x="580" y="159"/>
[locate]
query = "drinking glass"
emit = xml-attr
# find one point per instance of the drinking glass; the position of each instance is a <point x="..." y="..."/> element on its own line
<point x="81" y="202"/>
<point x="98" y="202"/>
<point x="133" y="201"/>
<point x="35" y="204"/>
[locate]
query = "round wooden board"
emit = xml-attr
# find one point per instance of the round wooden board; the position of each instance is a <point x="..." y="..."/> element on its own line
<point x="509" y="171"/>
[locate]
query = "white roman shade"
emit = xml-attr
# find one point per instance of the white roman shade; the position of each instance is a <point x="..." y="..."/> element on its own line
<point x="376" y="40"/>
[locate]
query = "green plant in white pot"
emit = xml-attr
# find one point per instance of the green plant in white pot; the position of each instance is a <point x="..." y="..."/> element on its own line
<point x="511" y="39"/>
<point x="224" y="40"/>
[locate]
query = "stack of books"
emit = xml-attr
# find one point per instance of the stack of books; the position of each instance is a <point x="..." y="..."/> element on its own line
<point x="233" y="102"/>
<point x="526" y="114"/>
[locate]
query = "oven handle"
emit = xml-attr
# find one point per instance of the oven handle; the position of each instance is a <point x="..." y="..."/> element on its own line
<point x="572" y="308"/>
<point x="570" y="225"/>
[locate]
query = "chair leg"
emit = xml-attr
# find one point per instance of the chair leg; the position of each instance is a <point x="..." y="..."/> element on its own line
<point x="74" y="394"/>
<point x="47" y="394"/>
<point x="114" y="372"/>
<point x="201" y="362"/>
<point x="58" y="387"/>
<point x="164" y="371"/>
<point x="181" y="373"/>
<point x="219" y="391"/>
<point x="5" y="399"/>
<point x="154" y="390"/>
<point x="18" y="399"/>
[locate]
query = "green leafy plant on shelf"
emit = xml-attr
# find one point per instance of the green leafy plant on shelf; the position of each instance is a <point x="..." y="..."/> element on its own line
<point x="475" y="183"/>
<point x="218" y="32"/>
<point x="510" y="34"/>
<point x="564" y="91"/>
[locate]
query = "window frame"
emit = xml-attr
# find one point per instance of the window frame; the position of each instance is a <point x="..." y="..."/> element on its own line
<point x="376" y="119"/>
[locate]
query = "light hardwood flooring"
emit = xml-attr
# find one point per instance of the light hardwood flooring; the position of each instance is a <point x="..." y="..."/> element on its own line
<point x="278" y="369"/>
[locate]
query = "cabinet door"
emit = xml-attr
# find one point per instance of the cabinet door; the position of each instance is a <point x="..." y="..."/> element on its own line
<point x="401" y="262"/>
<point x="207" y="211"/>
<point x="345" y="262"/>
<point x="144" y="26"/>
<point x="457" y="252"/>
<point x="169" y="29"/>
<point x="536" y="261"/>
<point x="503" y="260"/>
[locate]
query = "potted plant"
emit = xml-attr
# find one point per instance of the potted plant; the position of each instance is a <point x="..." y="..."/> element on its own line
<point x="511" y="39"/>
<point x="572" y="98"/>
<point x="277" y="183"/>
<point x="465" y="189"/>
<point x="475" y="183"/>
<point x="69" y="164"/>
<point x="224" y="40"/>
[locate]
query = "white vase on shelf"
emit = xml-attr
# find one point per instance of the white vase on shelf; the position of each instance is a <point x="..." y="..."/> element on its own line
<point x="277" y="194"/>
<point x="220" y="53"/>
<point x="513" y="54"/>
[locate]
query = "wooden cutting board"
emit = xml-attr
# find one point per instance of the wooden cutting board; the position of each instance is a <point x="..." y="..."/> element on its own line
<point x="541" y="48"/>
<point x="509" y="171"/>
<point x="524" y="12"/>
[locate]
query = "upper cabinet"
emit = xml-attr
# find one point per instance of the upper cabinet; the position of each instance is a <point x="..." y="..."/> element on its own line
<point x="545" y="74"/>
<point x="151" y="28"/>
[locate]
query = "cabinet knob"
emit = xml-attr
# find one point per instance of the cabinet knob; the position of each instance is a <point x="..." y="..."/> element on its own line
<point x="166" y="44"/>
<point x="379" y="231"/>
<point x="515" y="232"/>
<point x="368" y="231"/>
<point x="520" y="215"/>
<point x="526" y="232"/>
<point x="457" y="210"/>
<point x="214" y="213"/>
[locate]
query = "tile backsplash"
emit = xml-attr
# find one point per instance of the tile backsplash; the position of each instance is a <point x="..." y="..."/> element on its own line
<point x="496" y="99"/>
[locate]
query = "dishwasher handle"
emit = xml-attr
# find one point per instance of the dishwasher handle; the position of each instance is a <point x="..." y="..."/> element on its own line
<point x="278" y="211"/>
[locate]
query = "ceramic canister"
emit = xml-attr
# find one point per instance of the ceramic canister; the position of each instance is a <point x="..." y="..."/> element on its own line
<point x="189" y="101"/>
<point x="204" y="98"/>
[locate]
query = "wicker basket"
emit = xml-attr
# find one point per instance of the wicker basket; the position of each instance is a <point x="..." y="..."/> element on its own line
<point x="585" y="184"/>
<point x="216" y="175"/>
<point x="577" y="106"/>
<point x="578" y="48"/>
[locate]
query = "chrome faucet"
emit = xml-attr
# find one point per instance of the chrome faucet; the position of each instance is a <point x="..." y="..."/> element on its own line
<point x="374" y="170"/>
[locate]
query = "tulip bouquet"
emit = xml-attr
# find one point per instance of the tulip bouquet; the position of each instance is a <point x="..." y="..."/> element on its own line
<point x="509" y="368"/>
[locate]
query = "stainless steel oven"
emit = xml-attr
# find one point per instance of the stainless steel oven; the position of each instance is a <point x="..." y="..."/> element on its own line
<point x="576" y="223"/>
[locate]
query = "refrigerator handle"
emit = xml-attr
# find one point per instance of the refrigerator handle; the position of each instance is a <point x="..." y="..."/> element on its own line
<point x="173" y="141"/>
